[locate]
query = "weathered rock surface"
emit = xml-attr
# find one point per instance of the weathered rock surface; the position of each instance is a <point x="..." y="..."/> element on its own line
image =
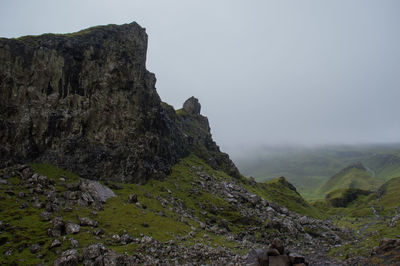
<point x="72" y="228"/>
<point x="192" y="106"/>
<point x="86" y="102"/>
<point x="68" y="258"/>
<point x="97" y="191"/>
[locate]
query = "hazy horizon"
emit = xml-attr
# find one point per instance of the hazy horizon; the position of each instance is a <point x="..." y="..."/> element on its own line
<point x="267" y="73"/>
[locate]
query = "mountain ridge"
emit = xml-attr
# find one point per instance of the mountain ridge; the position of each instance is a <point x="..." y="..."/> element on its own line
<point x="86" y="102"/>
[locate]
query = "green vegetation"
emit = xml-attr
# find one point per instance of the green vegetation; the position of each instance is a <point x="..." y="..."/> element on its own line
<point x="310" y="168"/>
<point x="369" y="214"/>
<point x="343" y="197"/>
<point x="283" y="193"/>
<point x="354" y="176"/>
<point x="25" y="228"/>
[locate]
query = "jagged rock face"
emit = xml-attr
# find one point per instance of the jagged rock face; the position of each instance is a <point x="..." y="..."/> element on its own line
<point x="86" y="102"/>
<point x="192" y="106"/>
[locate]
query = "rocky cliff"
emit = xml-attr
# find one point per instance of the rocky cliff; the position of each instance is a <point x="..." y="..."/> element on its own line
<point x="85" y="101"/>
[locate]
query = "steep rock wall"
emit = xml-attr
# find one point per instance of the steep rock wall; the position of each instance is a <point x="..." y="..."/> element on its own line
<point x="86" y="102"/>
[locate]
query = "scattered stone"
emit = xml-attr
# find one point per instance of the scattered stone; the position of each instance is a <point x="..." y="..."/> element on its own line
<point x="58" y="227"/>
<point x="132" y="198"/>
<point x="74" y="243"/>
<point x="96" y="190"/>
<point x="98" y="232"/>
<point x="278" y="245"/>
<point x="116" y="238"/>
<point x="202" y="225"/>
<point x="8" y="252"/>
<point x="56" y="243"/>
<point x="35" y="248"/>
<point x="394" y="220"/>
<point x="84" y="221"/>
<point x="45" y="216"/>
<point x="93" y="251"/>
<point x="146" y="239"/>
<point x="126" y="239"/>
<point x="72" y="228"/>
<point x="68" y="258"/>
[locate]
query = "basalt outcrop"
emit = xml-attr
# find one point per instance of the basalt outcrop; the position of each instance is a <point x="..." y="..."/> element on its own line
<point x="86" y="102"/>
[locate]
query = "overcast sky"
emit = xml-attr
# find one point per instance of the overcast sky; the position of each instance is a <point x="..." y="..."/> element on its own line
<point x="265" y="72"/>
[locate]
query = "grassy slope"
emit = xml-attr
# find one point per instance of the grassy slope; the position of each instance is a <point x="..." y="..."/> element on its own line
<point x="118" y="215"/>
<point x="25" y="228"/>
<point x="278" y="191"/>
<point x="359" y="216"/>
<point x="351" y="177"/>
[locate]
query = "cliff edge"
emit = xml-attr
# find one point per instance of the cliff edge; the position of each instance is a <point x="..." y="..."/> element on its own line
<point x="86" y="102"/>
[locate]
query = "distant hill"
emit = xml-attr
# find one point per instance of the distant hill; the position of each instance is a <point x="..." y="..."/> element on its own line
<point x="309" y="168"/>
<point x="353" y="176"/>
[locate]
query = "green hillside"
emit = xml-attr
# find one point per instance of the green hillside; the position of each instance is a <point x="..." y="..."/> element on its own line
<point x="192" y="205"/>
<point x="353" y="176"/>
<point x="372" y="216"/>
<point x="385" y="165"/>
<point x="309" y="168"/>
<point x="280" y="191"/>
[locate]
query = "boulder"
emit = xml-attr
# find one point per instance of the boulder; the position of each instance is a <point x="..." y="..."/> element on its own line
<point x="35" y="248"/>
<point x="84" y="221"/>
<point x="74" y="243"/>
<point x="93" y="251"/>
<point x="132" y="198"/>
<point x="257" y="257"/>
<point x="126" y="239"/>
<point x="56" y="243"/>
<point x="68" y="258"/>
<point x="58" y="227"/>
<point x="278" y="245"/>
<point x="96" y="190"/>
<point x="72" y="228"/>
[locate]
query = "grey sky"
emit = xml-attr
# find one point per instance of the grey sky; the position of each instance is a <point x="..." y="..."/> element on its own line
<point x="265" y="72"/>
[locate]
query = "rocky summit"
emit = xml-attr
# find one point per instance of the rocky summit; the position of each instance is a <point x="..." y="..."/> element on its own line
<point x="85" y="101"/>
<point x="96" y="170"/>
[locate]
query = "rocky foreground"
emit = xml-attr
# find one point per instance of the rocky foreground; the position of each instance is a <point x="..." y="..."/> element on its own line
<point x="268" y="226"/>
